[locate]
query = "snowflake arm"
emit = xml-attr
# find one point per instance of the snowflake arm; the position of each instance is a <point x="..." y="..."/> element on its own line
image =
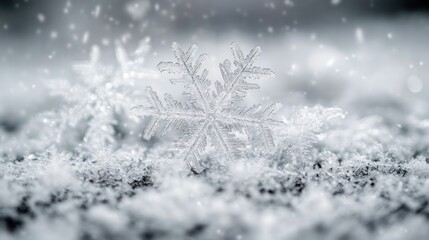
<point x="131" y="65"/>
<point x="193" y="147"/>
<point x="197" y="87"/>
<point x="64" y="89"/>
<point x="91" y="72"/>
<point x="176" y="114"/>
<point x="224" y="141"/>
<point x="235" y="84"/>
<point x="100" y="131"/>
<point x="249" y="119"/>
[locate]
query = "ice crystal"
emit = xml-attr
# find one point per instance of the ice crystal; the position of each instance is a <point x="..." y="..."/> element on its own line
<point x="210" y="116"/>
<point x="304" y="128"/>
<point x="101" y="94"/>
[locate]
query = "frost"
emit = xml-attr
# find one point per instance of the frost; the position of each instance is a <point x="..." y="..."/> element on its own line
<point x="210" y="115"/>
<point x="36" y="135"/>
<point x="303" y="131"/>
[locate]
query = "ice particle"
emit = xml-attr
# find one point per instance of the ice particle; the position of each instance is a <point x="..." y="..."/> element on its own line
<point x="414" y="84"/>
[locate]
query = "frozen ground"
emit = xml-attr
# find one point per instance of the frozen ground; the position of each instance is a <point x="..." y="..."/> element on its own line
<point x="352" y="161"/>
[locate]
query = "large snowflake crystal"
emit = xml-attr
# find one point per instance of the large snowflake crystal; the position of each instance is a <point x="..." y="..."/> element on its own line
<point x="210" y="116"/>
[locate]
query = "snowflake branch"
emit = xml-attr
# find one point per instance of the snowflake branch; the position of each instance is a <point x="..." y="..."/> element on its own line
<point x="219" y="104"/>
<point x="193" y="147"/>
<point x="190" y="71"/>
<point x="174" y="113"/>
<point x="221" y="139"/>
<point x="192" y="74"/>
<point x="253" y="116"/>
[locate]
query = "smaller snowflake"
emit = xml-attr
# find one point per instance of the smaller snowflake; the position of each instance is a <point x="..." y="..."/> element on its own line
<point x="100" y="94"/>
<point x="210" y="116"/>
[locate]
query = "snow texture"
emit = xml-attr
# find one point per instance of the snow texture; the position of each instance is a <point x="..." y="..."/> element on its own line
<point x="211" y="115"/>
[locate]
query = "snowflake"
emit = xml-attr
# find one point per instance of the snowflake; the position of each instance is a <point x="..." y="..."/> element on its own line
<point x="210" y="115"/>
<point x="101" y="93"/>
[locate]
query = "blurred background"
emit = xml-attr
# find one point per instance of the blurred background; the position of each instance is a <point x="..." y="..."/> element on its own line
<point x="366" y="56"/>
